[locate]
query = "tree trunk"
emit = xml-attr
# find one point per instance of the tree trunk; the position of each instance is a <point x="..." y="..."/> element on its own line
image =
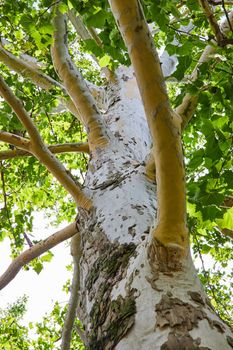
<point x="130" y="297"/>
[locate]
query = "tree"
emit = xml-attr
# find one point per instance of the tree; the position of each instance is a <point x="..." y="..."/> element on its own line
<point x="134" y="284"/>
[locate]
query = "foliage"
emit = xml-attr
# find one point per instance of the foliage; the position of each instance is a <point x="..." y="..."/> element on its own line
<point x="208" y="143"/>
<point x="12" y="333"/>
<point x="46" y="334"/>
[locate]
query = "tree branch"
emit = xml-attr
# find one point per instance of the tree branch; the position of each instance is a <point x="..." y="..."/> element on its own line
<point x="150" y="170"/>
<point x="73" y="302"/>
<point x="41" y="151"/>
<point x="219" y="2"/>
<point x="212" y="21"/>
<point x="55" y="149"/>
<point x="35" y="251"/>
<point x="86" y="34"/>
<point x="15" y="140"/>
<point x="227" y="232"/>
<point x="76" y="86"/>
<point x="164" y="124"/>
<point x="80" y="28"/>
<point x="228" y="202"/>
<point x="189" y="103"/>
<point x="19" y="110"/>
<point x="28" y="71"/>
<point x="35" y="75"/>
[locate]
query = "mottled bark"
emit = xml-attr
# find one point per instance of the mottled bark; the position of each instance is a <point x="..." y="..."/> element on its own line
<point x="131" y="296"/>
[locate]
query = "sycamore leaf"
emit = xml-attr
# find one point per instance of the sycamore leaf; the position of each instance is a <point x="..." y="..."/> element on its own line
<point x="227" y="221"/>
<point x="47" y="257"/>
<point x="104" y="61"/>
<point x="184" y="63"/>
<point x="38" y="267"/>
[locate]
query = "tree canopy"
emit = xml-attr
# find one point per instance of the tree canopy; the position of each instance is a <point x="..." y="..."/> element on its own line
<point x="194" y="40"/>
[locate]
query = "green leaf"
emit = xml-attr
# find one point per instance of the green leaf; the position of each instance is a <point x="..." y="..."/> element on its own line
<point x="197" y="159"/>
<point x="97" y="20"/>
<point x="47" y="257"/>
<point x="63" y="8"/>
<point x="104" y="61"/>
<point x="211" y="212"/>
<point x="205" y="249"/>
<point x="227" y="221"/>
<point x="38" y="267"/>
<point x="184" y="63"/>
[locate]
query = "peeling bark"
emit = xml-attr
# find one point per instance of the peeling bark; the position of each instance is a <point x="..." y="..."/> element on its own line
<point x="135" y="294"/>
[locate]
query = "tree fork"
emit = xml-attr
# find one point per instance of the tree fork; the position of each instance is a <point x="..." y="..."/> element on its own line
<point x="76" y="86"/>
<point x="41" y="151"/>
<point x="165" y="126"/>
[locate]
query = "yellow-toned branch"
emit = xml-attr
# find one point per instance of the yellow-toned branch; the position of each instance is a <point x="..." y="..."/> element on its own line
<point x="35" y="251"/>
<point x="41" y="151"/>
<point x="15" y="140"/>
<point x="55" y="149"/>
<point x="187" y="108"/>
<point x="76" y="86"/>
<point x="150" y="170"/>
<point x="163" y="122"/>
<point x="189" y="103"/>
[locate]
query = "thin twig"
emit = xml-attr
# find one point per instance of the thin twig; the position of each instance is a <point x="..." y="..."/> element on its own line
<point x="51" y="126"/>
<point x="3" y="186"/>
<point x="55" y="149"/>
<point x="189" y="103"/>
<point x="226" y="14"/>
<point x="187" y="33"/>
<point x="48" y="7"/>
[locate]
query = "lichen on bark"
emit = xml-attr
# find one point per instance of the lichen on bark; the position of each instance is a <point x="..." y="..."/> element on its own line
<point x="109" y="319"/>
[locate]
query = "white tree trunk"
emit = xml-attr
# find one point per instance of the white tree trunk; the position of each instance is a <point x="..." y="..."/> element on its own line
<point x="129" y="297"/>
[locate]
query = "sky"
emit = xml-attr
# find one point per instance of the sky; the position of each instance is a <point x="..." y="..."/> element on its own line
<point x="43" y="289"/>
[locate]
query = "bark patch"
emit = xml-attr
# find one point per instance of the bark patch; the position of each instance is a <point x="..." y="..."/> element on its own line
<point x="164" y="259"/>
<point x="181" y="317"/>
<point x="182" y="342"/>
<point x="112" y="261"/>
<point x="195" y="296"/>
<point x="116" y="319"/>
<point x="177" y="314"/>
<point x="110" y="319"/>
